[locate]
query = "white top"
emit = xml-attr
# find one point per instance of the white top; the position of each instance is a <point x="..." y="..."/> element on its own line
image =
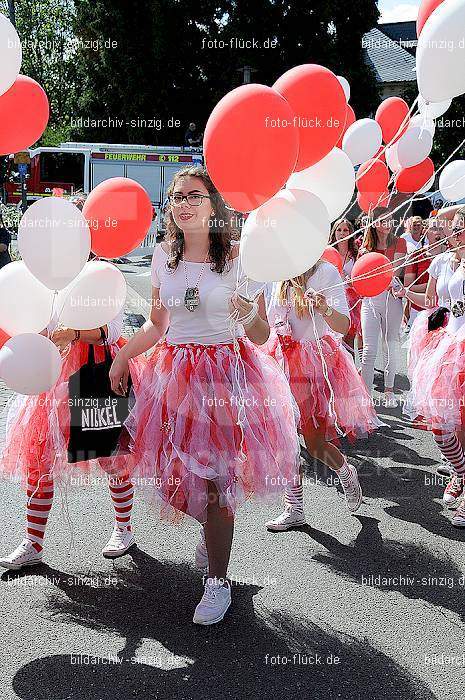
<point x="303" y="329"/>
<point x="348" y="266"/>
<point x="457" y="300"/>
<point x="441" y="269"/>
<point x="412" y="244"/>
<point x="115" y="327"/>
<point x="209" y="323"/>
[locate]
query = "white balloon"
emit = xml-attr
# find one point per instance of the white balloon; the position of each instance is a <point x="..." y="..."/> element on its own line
<point x="25" y="304"/>
<point x="94" y="298"/>
<point x="424" y="122"/>
<point x="332" y="179"/>
<point x="427" y="187"/>
<point x="452" y="181"/>
<point x="414" y="146"/>
<point x="362" y="140"/>
<point x="54" y="241"/>
<point x="345" y="86"/>
<point x="433" y="110"/>
<point x="284" y="237"/>
<point x="441" y="53"/>
<point x="10" y="54"/>
<point x="30" y="364"/>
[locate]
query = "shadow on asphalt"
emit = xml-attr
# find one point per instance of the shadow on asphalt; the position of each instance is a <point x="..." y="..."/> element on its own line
<point x="238" y="658"/>
<point x="412" y="490"/>
<point x="410" y="569"/>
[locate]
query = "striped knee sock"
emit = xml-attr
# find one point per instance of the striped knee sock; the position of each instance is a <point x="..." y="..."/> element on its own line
<point x="122" y="495"/>
<point x="39" y="503"/>
<point x="345" y="475"/>
<point x="294" y="498"/>
<point x="452" y="450"/>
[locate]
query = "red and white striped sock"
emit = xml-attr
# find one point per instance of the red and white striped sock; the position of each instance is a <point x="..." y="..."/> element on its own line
<point x="122" y="495"/>
<point x="39" y="503"/>
<point x="452" y="450"/>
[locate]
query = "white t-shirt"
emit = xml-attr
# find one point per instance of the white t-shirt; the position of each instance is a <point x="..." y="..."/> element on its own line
<point x="348" y="267"/>
<point x="324" y="277"/>
<point x="457" y="300"/>
<point x="210" y="322"/>
<point x="412" y="244"/>
<point x="441" y="269"/>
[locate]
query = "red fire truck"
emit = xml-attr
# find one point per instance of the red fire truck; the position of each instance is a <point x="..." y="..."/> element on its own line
<point x="74" y="167"/>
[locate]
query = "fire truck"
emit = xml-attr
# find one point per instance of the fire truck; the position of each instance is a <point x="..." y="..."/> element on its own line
<point x="79" y="167"/>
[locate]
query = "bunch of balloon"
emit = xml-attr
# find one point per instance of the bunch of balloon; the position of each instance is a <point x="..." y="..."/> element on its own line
<point x="285" y="168"/>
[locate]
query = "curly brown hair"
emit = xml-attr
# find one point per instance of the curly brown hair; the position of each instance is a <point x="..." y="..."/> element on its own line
<point x="221" y="231"/>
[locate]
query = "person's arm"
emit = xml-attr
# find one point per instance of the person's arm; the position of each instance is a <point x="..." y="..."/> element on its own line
<point x="338" y="322"/>
<point x="426" y="300"/>
<point x="258" y="330"/>
<point x="150" y="333"/>
<point x="62" y="337"/>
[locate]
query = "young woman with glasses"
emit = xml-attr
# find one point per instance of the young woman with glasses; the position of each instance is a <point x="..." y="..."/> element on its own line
<point x="214" y="422"/>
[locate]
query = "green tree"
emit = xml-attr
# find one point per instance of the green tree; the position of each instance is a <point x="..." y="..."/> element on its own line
<point x="45" y="30"/>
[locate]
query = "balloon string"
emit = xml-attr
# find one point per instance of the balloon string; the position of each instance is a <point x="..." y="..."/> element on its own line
<point x="407" y="201"/>
<point x="384" y="268"/>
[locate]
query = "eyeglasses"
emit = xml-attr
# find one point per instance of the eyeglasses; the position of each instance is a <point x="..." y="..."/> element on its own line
<point x="193" y="200"/>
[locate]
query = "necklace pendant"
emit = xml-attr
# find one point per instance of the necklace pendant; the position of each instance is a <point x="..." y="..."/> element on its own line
<point x="191" y="298"/>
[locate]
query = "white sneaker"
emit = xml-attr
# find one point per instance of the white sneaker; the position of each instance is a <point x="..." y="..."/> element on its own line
<point x="288" y="518"/>
<point x="459" y="516"/>
<point x="353" y="492"/>
<point x="119" y="543"/>
<point x="24" y="555"/>
<point x="214" y="604"/>
<point x="201" y="554"/>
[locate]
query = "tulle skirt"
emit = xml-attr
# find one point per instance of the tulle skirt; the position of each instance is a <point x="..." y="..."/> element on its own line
<point x="212" y="413"/>
<point x="355" y="304"/>
<point x="437" y="391"/>
<point x="37" y="428"/>
<point x="340" y="402"/>
<point x="419" y="339"/>
<point x="426" y="353"/>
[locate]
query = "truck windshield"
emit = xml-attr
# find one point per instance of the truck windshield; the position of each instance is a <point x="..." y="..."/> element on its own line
<point x="62" y="168"/>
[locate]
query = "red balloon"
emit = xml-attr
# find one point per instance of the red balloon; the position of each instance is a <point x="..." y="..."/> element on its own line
<point x="409" y="180"/>
<point x="3" y="337"/>
<point x="367" y="201"/>
<point x="427" y="7"/>
<point x="372" y="176"/>
<point x="24" y="114"/>
<point x="250" y="145"/>
<point x="119" y="214"/>
<point x="372" y="274"/>
<point x="320" y="106"/>
<point x="390" y="115"/>
<point x="333" y="256"/>
<point x="350" y="119"/>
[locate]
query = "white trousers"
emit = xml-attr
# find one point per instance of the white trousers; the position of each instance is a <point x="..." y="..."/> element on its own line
<point x="381" y="317"/>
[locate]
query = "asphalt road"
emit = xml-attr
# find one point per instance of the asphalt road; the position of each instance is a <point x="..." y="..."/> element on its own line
<point x="351" y="607"/>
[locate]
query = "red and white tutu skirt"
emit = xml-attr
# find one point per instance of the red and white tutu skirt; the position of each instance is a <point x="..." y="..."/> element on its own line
<point x="355" y="304"/>
<point x="340" y="402"/>
<point x="424" y="357"/>
<point x="212" y="413"/>
<point x="419" y="339"/>
<point x="438" y="382"/>
<point x="37" y="428"/>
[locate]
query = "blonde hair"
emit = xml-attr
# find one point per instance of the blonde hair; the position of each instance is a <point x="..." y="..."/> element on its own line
<point x="298" y="285"/>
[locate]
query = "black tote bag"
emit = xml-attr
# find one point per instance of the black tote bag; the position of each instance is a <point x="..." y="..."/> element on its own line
<point x="97" y="414"/>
